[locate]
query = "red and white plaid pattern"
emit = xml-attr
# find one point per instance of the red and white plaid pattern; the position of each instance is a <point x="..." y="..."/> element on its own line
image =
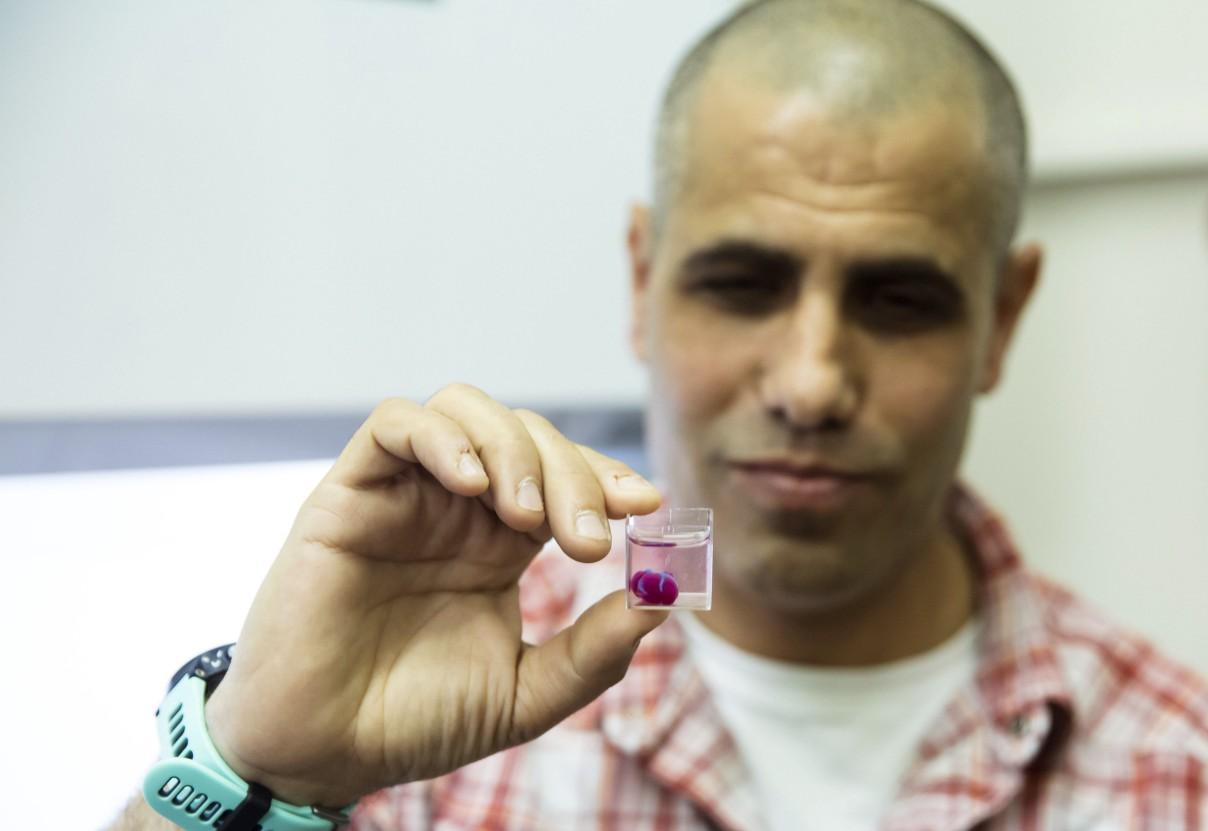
<point x="1072" y="724"/>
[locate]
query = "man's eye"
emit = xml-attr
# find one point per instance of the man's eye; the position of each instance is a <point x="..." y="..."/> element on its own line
<point x="742" y="293"/>
<point x="901" y="299"/>
<point x="906" y="307"/>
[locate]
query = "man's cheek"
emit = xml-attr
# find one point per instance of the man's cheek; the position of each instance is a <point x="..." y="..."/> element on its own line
<point x="926" y="405"/>
<point x="699" y="378"/>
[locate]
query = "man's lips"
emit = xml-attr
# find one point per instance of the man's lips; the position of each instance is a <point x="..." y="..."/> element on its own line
<point x="781" y="484"/>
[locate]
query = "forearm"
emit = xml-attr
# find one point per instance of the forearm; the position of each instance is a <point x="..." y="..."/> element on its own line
<point x="138" y="816"/>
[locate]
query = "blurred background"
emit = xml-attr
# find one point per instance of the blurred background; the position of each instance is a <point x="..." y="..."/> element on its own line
<point x="228" y="229"/>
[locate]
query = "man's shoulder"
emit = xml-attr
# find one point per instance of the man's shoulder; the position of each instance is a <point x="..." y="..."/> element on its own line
<point x="1127" y="694"/>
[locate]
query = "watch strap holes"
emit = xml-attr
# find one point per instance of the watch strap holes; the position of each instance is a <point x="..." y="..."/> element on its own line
<point x="190" y="800"/>
<point x="180" y="742"/>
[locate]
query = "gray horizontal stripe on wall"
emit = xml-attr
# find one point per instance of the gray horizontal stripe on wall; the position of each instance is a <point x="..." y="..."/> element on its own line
<point x="59" y="446"/>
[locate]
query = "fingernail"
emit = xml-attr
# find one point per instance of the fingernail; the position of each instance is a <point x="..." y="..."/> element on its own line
<point x="528" y="495"/>
<point x="631" y="482"/>
<point x="589" y="524"/>
<point x="470" y="466"/>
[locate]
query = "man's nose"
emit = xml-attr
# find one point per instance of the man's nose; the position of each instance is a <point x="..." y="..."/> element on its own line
<point x="809" y="381"/>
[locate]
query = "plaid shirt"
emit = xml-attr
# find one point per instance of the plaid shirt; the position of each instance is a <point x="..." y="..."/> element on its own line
<point x="1072" y="723"/>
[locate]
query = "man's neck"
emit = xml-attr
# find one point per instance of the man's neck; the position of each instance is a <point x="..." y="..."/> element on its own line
<point x="922" y="607"/>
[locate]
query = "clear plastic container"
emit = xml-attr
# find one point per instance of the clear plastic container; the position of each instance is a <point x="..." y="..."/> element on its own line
<point x="669" y="559"/>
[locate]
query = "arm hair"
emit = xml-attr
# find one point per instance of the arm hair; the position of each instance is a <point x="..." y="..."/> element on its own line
<point x="138" y="816"/>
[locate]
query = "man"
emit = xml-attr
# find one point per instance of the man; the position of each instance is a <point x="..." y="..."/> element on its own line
<point x="824" y="284"/>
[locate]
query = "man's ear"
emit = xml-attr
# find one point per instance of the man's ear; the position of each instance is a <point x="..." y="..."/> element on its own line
<point x="1017" y="280"/>
<point x="640" y="245"/>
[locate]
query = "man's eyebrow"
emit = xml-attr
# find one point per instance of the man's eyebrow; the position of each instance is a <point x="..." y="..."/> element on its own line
<point x="921" y="269"/>
<point x="752" y="255"/>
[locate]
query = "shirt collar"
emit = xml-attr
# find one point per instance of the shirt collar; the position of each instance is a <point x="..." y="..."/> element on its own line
<point x="1018" y="673"/>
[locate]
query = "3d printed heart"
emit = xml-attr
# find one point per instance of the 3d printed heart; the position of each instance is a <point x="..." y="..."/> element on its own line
<point x="658" y="588"/>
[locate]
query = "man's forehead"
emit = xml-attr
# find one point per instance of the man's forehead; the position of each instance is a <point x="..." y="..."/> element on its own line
<point x="743" y="140"/>
<point x="739" y="121"/>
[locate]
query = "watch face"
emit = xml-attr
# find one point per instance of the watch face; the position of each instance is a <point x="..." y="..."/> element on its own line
<point x="210" y="666"/>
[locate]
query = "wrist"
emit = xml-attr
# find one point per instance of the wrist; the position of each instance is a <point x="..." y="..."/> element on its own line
<point x="194" y="786"/>
<point x="221" y="719"/>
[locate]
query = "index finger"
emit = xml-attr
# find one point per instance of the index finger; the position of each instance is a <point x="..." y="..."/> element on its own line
<point x="400" y="434"/>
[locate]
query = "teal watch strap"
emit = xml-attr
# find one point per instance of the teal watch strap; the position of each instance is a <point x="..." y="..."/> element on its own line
<point x="193" y="787"/>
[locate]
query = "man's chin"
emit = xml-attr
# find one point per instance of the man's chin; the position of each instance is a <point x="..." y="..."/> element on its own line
<point x="770" y="527"/>
<point x="806" y="529"/>
<point x="800" y="574"/>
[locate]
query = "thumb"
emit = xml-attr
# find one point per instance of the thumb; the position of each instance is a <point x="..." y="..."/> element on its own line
<point x="573" y="668"/>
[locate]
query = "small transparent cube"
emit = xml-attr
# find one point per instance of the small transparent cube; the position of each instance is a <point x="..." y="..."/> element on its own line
<point x="669" y="559"/>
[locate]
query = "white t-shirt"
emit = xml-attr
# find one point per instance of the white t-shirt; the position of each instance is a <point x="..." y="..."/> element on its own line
<point x="827" y="747"/>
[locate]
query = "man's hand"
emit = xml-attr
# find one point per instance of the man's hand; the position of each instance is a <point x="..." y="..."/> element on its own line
<point x="384" y="644"/>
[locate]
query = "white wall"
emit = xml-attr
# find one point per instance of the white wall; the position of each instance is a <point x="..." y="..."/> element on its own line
<point x="1096" y="447"/>
<point x="312" y="204"/>
<point x="1108" y="85"/>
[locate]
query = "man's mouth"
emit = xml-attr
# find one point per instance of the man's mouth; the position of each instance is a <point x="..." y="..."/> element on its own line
<point x="799" y="484"/>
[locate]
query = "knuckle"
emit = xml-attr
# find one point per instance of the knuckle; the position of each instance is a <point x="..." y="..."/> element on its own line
<point x="616" y="469"/>
<point x="593" y="456"/>
<point x="562" y="458"/>
<point x="457" y="389"/>
<point x="604" y="465"/>
<point x="393" y="407"/>
<point x="533" y="419"/>
<point x="433" y="428"/>
<point x="585" y="483"/>
<point x="520" y="444"/>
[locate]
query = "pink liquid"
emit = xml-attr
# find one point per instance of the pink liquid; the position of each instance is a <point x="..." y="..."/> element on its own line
<point x="686" y="557"/>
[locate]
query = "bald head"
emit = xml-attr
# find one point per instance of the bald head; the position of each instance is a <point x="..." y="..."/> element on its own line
<point x="865" y="62"/>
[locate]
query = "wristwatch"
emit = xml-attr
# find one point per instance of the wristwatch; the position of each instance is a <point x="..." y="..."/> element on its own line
<point x="193" y="787"/>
